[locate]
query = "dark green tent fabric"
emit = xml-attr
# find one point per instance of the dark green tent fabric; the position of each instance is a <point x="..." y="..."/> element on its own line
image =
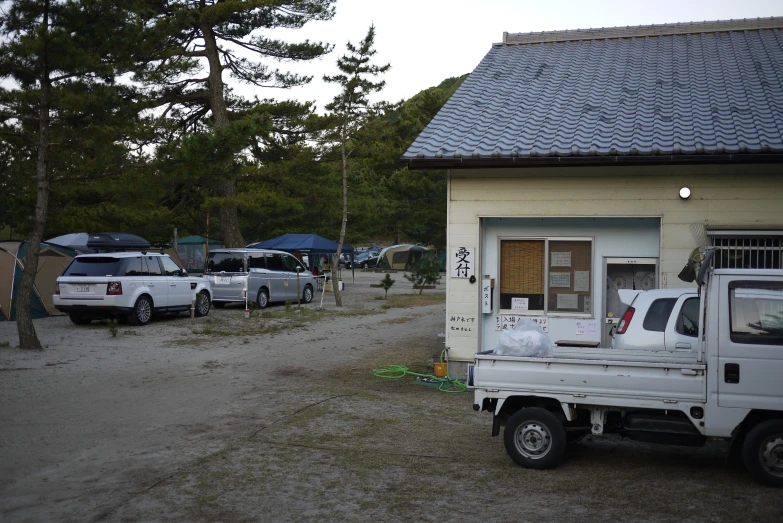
<point x="37" y="308"/>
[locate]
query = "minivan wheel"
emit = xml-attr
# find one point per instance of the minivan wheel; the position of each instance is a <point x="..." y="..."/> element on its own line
<point x="142" y="311"/>
<point x="307" y="295"/>
<point x="262" y="300"/>
<point x="202" y="304"/>
<point x="78" y="319"/>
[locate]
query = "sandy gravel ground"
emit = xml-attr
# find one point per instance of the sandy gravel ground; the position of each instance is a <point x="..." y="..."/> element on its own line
<point x="280" y="419"/>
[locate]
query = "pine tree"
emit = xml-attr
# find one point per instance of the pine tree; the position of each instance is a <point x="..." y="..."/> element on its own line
<point x="61" y="108"/>
<point x="218" y="35"/>
<point x="351" y="108"/>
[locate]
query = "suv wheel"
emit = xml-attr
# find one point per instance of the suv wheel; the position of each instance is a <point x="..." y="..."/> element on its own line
<point x="202" y="304"/>
<point x="142" y="311"/>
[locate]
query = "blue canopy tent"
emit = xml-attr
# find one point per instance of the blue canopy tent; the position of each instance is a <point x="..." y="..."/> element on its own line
<point x="302" y="243"/>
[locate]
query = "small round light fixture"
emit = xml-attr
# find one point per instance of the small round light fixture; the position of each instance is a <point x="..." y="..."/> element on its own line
<point x="685" y="193"/>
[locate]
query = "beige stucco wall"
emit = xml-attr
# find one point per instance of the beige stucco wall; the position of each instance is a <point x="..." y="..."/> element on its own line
<point x="721" y="196"/>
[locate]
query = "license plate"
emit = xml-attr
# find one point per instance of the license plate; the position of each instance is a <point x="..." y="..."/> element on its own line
<point x="223" y="280"/>
<point x="82" y="288"/>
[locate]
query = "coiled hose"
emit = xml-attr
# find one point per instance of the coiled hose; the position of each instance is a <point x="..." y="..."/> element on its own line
<point x="446" y="384"/>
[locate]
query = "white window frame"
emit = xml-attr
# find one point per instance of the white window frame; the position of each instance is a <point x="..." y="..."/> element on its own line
<point x="546" y="312"/>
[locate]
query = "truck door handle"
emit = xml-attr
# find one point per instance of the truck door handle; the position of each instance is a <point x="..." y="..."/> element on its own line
<point x="173" y="284"/>
<point x="731" y="373"/>
<point x="682" y="345"/>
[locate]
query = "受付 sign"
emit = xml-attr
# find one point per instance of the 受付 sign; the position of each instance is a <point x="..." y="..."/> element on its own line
<point x="463" y="262"/>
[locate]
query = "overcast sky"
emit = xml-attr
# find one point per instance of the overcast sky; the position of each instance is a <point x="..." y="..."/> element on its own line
<point x="427" y="41"/>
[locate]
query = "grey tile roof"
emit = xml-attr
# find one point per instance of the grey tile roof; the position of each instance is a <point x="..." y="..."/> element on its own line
<point x="718" y="92"/>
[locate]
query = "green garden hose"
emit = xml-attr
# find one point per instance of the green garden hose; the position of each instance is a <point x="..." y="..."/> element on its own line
<point x="395" y="372"/>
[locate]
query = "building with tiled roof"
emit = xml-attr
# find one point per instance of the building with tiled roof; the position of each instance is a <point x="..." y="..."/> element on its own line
<point x="582" y="162"/>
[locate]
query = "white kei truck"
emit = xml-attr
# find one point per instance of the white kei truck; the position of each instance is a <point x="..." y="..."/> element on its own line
<point x="729" y="387"/>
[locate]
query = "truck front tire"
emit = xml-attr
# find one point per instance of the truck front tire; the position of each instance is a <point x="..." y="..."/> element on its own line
<point x="535" y="438"/>
<point x="762" y="452"/>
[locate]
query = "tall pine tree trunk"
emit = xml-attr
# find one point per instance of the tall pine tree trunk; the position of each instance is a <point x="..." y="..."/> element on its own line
<point x="229" y="216"/>
<point x="28" y="339"/>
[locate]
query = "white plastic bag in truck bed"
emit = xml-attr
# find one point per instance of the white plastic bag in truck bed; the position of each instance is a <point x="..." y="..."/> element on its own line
<point x="527" y="338"/>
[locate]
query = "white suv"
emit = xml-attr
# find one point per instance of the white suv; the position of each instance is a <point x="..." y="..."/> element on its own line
<point x="658" y="318"/>
<point x="131" y="284"/>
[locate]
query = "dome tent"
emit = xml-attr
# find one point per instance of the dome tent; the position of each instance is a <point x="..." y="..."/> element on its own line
<point x="52" y="261"/>
<point x="400" y="257"/>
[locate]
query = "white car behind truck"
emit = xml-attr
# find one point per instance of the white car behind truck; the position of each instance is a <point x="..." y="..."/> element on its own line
<point x="728" y="386"/>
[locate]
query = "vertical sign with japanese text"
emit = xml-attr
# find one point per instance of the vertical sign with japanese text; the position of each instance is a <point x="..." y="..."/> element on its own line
<point x="486" y="295"/>
<point x="463" y="262"/>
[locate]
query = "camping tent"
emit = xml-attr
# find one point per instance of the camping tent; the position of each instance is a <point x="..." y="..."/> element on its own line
<point x="301" y="243"/>
<point x="53" y="259"/>
<point x="193" y="250"/>
<point x="400" y="257"/>
<point x="76" y="241"/>
<point x="304" y="243"/>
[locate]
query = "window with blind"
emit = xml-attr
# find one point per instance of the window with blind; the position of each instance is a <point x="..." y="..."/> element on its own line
<point x="549" y="275"/>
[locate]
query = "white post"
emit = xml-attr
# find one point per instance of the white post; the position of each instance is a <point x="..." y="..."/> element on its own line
<point x="244" y="291"/>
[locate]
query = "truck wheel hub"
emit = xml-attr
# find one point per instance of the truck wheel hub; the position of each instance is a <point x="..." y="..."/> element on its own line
<point x="772" y="455"/>
<point x="533" y="440"/>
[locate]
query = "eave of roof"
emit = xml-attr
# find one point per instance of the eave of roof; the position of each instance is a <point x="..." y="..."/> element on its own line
<point x="586" y="161"/>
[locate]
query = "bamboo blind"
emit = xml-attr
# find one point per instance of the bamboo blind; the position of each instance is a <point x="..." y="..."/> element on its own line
<point x="522" y="267"/>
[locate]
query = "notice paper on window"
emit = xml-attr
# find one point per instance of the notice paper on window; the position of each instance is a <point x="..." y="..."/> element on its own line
<point x="586" y="327"/>
<point x="520" y="304"/>
<point x="567" y="301"/>
<point x="581" y="281"/>
<point x="560" y="279"/>
<point x="561" y="259"/>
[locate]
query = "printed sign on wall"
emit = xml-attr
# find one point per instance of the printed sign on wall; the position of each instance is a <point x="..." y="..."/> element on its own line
<point x="463" y="262"/>
<point x="507" y="321"/>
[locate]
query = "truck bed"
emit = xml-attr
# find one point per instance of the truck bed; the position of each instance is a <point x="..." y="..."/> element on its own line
<point x="597" y="373"/>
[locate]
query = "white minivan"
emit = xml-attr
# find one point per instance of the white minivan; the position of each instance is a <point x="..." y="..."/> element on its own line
<point x="266" y="275"/>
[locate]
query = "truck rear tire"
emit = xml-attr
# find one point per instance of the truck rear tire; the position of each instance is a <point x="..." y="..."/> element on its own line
<point x="762" y="452"/>
<point x="535" y="438"/>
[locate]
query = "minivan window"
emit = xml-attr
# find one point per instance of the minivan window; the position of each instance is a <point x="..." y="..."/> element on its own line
<point x="290" y="263"/>
<point x="256" y="261"/>
<point x="133" y="266"/>
<point x="224" y="262"/>
<point x="94" y="266"/>
<point x="153" y="267"/>
<point x="658" y="315"/>
<point x="274" y="262"/>
<point x="170" y="268"/>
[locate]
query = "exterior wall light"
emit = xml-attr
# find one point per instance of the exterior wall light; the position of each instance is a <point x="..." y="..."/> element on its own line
<point x="685" y="193"/>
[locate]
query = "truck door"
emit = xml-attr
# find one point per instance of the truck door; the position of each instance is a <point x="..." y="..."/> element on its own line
<point x="682" y="329"/>
<point x="750" y="342"/>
